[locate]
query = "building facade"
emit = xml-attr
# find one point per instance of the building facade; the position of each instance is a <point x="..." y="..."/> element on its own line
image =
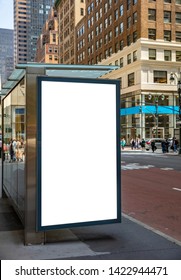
<point x="29" y="18"/>
<point x="144" y="39"/>
<point x="47" y="44"/>
<point x="6" y="54"/>
<point x="70" y="12"/>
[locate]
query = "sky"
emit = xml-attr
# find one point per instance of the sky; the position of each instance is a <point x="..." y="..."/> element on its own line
<point x="6" y="14"/>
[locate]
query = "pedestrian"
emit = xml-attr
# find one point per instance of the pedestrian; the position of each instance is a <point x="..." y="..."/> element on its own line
<point x="163" y="145"/>
<point x="123" y="143"/>
<point x="166" y="145"/>
<point x="132" y="143"/>
<point x="11" y="151"/>
<point x="143" y="143"/>
<point x="153" y="146"/>
<point x="175" y="144"/>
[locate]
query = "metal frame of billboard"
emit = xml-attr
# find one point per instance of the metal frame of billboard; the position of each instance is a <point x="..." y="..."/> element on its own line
<point x="76" y="108"/>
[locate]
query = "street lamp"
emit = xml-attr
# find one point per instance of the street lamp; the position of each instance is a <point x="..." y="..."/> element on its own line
<point x="156" y="98"/>
<point x="172" y="78"/>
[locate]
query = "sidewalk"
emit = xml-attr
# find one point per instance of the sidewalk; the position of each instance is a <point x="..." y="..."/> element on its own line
<point x="129" y="240"/>
<point x="158" y="151"/>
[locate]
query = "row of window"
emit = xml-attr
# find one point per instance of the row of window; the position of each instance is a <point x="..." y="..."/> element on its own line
<point x="158" y="77"/>
<point x="166" y="16"/>
<point x="167" y="35"/>
<point x="168" y="1"/>
<point x="167" y="55"/>
<point x="131" y="57"/>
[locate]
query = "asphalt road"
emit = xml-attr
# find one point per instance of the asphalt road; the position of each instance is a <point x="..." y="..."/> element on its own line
<point x="151" y="190"/>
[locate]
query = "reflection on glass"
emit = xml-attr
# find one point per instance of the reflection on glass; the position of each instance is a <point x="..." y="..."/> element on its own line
<point x="14" y="138"/>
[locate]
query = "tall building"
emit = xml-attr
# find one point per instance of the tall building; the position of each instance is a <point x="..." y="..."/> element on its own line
<point x="6" y="54"/>
<point x="70" y="12"/>
<point x="144" y="39"/>
<point x="29" y="18"/>
<point x="47" y="44"/>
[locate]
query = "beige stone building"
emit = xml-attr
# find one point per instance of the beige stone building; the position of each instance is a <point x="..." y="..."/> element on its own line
<point x="144" y="39"/>
<point x="70" y="12"/>
<point x="47" y="44"/>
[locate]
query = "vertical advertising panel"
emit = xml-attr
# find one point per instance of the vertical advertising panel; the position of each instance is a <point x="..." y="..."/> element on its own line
<point x="78" y="152"/>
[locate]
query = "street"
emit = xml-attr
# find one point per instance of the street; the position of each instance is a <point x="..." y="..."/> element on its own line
<point x="151" y="190"/>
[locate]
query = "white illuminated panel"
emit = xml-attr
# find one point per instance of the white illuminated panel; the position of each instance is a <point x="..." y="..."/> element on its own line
<point x="78" y="152"/>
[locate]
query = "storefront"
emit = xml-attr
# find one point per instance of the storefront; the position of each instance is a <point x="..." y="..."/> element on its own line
<point x="147" y="115"/>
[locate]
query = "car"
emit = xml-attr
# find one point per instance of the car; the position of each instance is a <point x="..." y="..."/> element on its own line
<point x="158" y="142"/>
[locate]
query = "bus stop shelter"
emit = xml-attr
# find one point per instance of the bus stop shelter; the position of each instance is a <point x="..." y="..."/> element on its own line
<point x="61" y="147"/>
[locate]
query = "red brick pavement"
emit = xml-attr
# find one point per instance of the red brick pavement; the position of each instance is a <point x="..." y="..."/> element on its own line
<point x="148" y="196"/>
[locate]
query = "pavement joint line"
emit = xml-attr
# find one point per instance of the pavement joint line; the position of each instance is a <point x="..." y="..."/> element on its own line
<point x="168" y="237"/>
<point x="176" y="189"/>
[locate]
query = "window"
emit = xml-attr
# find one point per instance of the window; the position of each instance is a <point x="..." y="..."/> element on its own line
<point x="178" y="36"/>
<point x="152" y="34"/>
<point x="81" y="11"/>
<point x="110" y="36"/>
<point x="152" y="14"/>
<point x="178" y="1"/>
<point x="134" y="55"/>
<point x="178" y="55"/>
<point x="178" y="18"/>
<point x="116" y="14"/>
<point x="131" y="80"/>
<point x="152" y="54"/>
<point x="160" y="76"/>
<point x="121" y="45"/>
<point x="167" y="1"/>
<point x="121" y="10"/>
<point x="167" y="55"/>
<point x="128" y="22"/>
<point x="167" y="35"/>
<point x="121" y="62"/>
<point x="128" y="4"/>
<point x="135" y="36"/>
<point x="121" y="27"/>
<point x="135" y="2"/>
<point x="129" y="58"/>
<point x="106" y="23"/>
<point x="128" y="40"/>
<point x="116" y="47"/>
<point x="135" y="17"/>
<point x="106" y="39"/>
<point x="116" y="31"/>
<point x="167" y="16"/>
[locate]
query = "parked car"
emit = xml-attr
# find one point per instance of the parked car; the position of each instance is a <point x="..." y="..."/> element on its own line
<point x="158" y="142"/>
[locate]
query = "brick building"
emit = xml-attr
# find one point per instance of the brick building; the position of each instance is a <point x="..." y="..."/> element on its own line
<point x="144" y="39"/>
<point x="47" y="43"/>
<point x="70" y="12"/>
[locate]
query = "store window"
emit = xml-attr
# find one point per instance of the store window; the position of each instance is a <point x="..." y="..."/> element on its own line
<point x="160" y="76"/>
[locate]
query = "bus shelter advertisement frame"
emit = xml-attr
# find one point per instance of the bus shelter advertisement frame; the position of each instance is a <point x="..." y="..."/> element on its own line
<point x="78" y="152"/>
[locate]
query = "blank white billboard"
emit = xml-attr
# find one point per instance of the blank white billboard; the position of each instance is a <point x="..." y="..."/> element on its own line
<point x="78" y="152"/>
